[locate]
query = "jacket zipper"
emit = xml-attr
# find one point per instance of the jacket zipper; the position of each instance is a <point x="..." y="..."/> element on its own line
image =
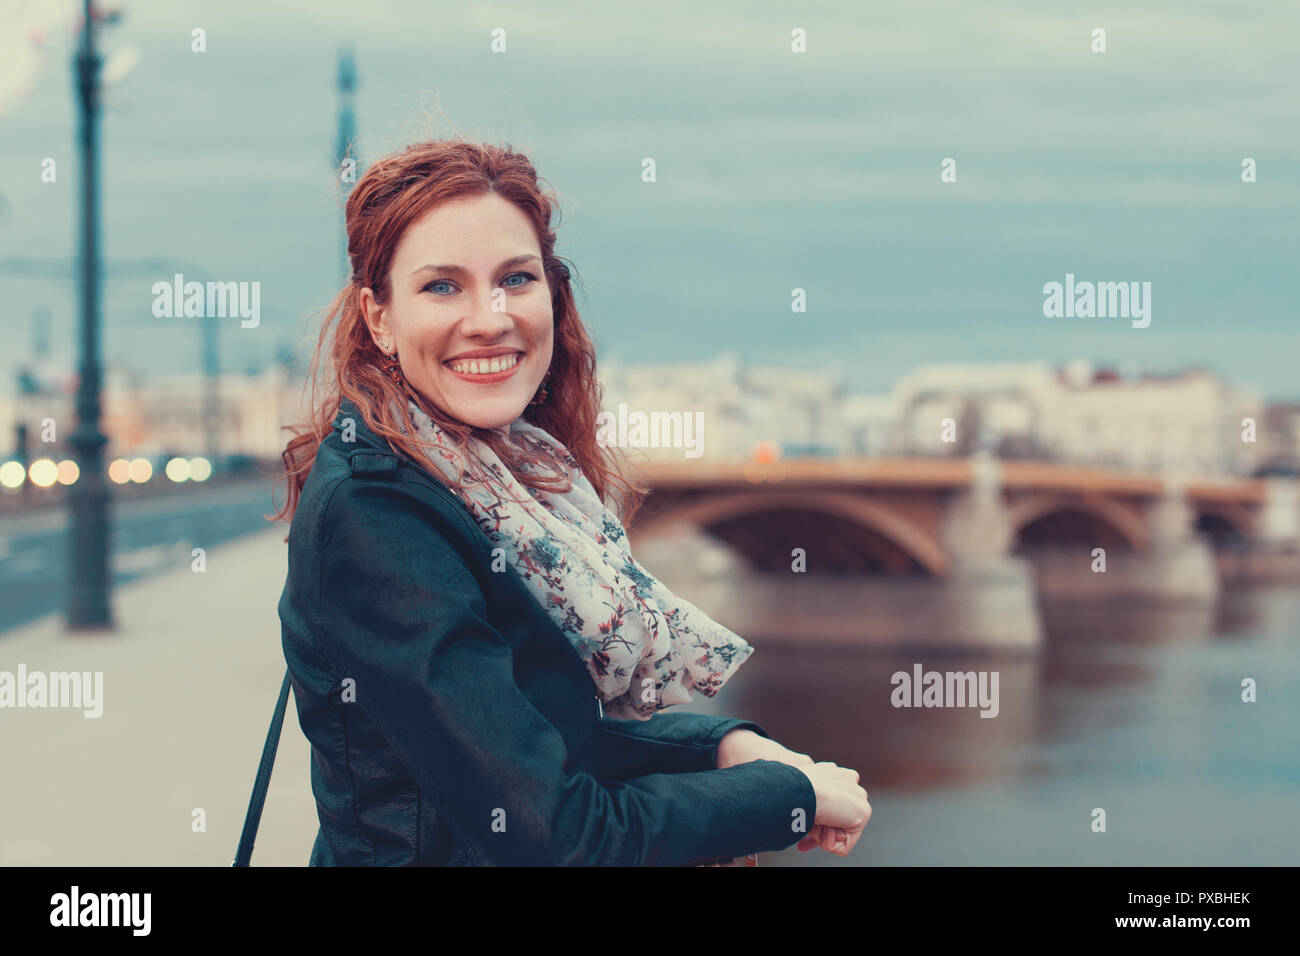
<point x="600" y="708"/>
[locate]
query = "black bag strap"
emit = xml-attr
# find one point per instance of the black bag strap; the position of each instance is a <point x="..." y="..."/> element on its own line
<point x="254" y="817"/>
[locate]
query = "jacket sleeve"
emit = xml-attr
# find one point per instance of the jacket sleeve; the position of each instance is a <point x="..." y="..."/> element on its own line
<point x="402" y="614"/>
<point x="669" y="742"/>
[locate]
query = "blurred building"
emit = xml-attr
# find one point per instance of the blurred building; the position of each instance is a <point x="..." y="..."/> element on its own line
<point x="1281" y="438"/>
<point x="152" y="416"/>
<point x="1190" y="421"/>
<point x="738" y="406"/>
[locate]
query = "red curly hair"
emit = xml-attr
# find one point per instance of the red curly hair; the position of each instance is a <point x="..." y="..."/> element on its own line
<point x="395" y="192"/>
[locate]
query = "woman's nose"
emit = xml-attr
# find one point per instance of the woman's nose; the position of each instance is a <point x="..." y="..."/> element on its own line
<point x="488" y="314"/>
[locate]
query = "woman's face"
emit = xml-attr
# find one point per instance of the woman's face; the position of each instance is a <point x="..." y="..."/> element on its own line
<point x="467" y="279"/>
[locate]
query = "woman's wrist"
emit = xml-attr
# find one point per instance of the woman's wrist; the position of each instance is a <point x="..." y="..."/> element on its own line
<point x="731" y="748"/>
<point x="742" y="746"/>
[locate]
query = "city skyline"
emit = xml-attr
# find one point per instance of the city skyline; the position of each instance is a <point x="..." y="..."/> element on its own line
<point x="1069" y="412"/>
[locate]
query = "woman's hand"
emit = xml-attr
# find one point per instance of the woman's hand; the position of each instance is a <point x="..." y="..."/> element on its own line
<point x="842" y="808"/>
<point x="741" y="746"/>
<point x="831" y="839"/>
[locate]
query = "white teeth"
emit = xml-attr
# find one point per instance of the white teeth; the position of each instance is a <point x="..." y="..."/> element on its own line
<point x="500" y="363"/>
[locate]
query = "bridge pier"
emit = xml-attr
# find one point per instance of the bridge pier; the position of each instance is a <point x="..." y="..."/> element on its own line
<point x="1181" y="564"/>
<point x="1272" y="555"/>
<point x="1279" y="519"/>
<point x="988" y="598"/>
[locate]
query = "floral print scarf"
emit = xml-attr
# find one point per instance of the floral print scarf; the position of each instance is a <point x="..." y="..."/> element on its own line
<point x="645" y="647"/>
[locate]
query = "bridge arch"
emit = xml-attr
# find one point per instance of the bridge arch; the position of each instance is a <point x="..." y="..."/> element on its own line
<point x="1224" y="521"/>
<point x="713" y="510"/>
<point x="1130" y="527"/>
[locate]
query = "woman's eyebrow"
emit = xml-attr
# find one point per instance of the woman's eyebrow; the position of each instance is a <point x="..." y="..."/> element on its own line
<point x="517" y="260"/>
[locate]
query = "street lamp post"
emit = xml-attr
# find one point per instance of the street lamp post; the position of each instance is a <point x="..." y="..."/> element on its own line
<point x="88" y="601"/>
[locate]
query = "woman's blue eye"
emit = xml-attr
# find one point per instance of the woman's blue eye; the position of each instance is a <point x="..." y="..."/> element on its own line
<point x="523" y="275"/>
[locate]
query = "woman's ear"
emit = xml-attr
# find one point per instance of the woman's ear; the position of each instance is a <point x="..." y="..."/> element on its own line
<point x="375" y="316"/>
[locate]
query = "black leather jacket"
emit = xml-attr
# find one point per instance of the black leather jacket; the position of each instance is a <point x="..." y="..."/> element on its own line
<point x="452" y="723"/>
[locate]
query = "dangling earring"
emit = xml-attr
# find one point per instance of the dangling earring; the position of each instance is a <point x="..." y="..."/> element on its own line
<point x="540" y="397"/>
<point x="391" y="366"/>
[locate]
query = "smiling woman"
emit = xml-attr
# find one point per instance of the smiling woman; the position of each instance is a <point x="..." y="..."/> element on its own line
<point x="459" y="591"/>
<point x="437" y="315"/>
<point x="453" y="258"/>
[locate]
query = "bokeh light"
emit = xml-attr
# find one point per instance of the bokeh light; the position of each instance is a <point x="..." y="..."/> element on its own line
<point x="12" y="474"/>
<point x="43" y="472"/>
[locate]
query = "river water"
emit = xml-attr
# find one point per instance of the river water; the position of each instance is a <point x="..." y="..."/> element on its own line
<point x="1134" y="710"/>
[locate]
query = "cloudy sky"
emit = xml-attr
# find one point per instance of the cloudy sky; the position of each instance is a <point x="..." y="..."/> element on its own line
<point x="776" y="170"/>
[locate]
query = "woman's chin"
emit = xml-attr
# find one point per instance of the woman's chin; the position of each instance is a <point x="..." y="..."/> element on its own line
<point x="487" y="412"/>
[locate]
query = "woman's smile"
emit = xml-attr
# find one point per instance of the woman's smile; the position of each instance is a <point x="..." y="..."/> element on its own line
<point x="487" y="370"/>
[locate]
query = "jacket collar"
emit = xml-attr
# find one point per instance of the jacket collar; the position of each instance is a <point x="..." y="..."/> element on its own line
<point x="348" y="411"/>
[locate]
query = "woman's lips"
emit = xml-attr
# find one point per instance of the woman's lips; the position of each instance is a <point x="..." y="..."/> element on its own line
<point x="487" y="378"/>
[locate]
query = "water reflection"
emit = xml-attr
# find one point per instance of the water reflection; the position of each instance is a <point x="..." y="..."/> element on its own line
<point x="1132" y="707"/>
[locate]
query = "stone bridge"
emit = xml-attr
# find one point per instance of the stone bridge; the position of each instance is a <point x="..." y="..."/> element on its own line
<point x="954" y="552"/>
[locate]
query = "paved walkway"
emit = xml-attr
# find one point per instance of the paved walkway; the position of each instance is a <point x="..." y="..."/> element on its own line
<point x="190" y="678"/>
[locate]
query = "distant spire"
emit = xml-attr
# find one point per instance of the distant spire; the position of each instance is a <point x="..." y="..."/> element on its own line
<point x="347" y="85"/>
